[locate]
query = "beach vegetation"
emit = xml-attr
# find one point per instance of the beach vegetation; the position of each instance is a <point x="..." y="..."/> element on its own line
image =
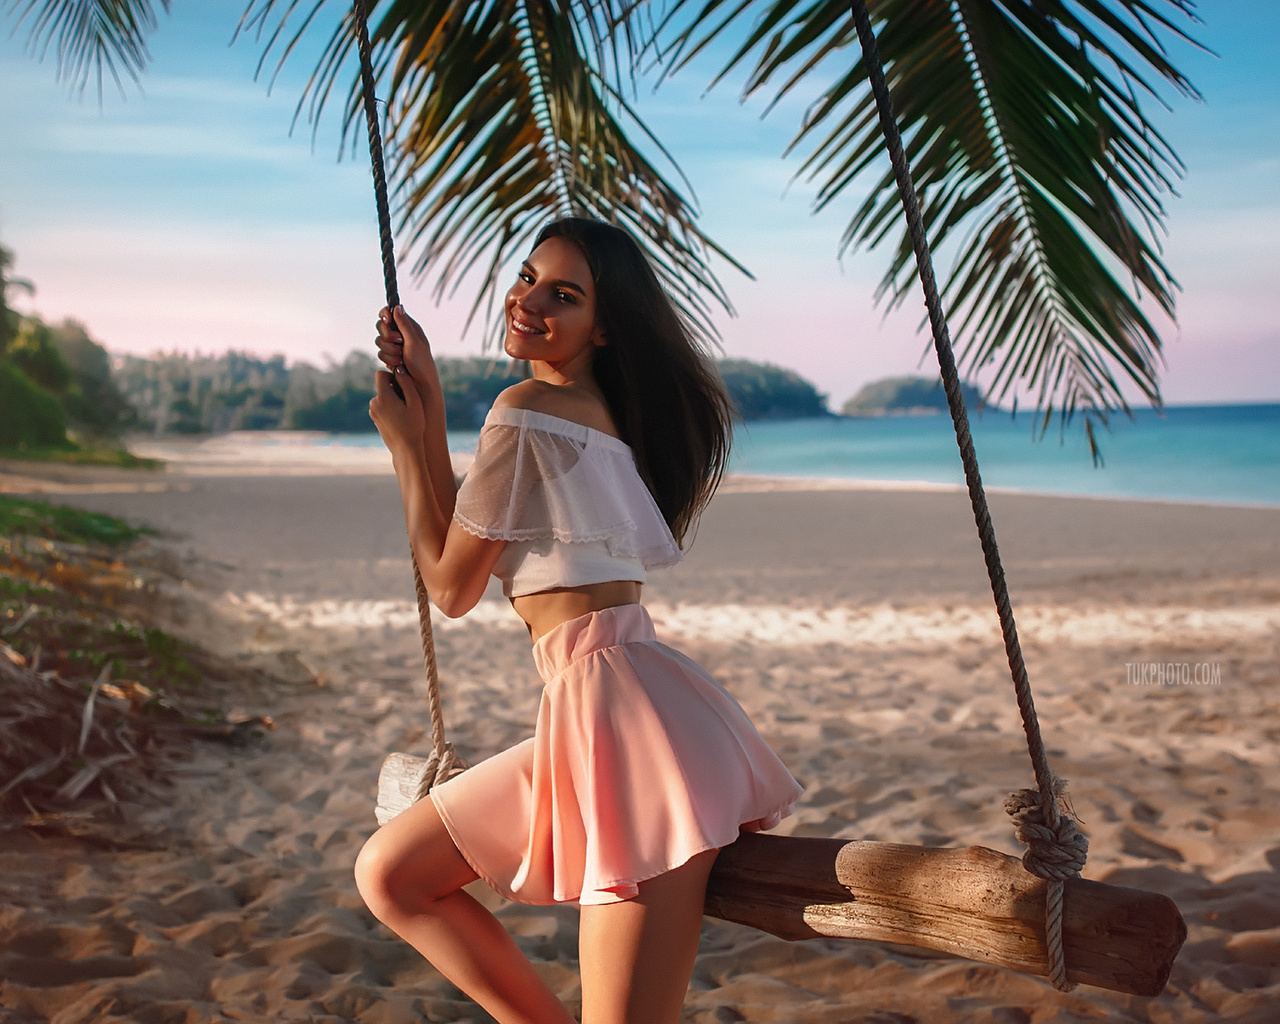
<point x="58" y="399"/>
<point x="1040" y="174"/>
<point x="345" y="412"/>
<point x="9" y="284"/>
<point x="96" y="408"/>
<point x="34" y="351"/>
<point x="97" y="694"/>
<point x="25" y="517"/>
<point x="30" y="417"/>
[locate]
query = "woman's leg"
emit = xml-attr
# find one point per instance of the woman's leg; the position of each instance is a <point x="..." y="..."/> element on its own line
<point x="636" y="956"/>
<point x="411" y="876"/>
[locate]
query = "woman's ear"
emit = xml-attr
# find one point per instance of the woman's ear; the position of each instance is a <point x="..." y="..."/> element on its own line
<point x="598" y="337"/>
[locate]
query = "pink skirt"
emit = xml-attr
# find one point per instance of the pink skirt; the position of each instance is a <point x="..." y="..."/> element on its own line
<point x="639" y="761"/>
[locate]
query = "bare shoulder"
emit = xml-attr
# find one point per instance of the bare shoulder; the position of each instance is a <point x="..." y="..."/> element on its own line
<point x="567" y="401"/>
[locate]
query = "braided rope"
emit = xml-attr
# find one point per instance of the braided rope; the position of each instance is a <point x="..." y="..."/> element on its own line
<point x="375" y="155"/>
<point x="445" y="761"/>
<point x="1057" y="848"/>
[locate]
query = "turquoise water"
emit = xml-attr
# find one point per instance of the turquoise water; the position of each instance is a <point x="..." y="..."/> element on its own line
<point x="1228" y="454"/>
<point x="1222" y="454"/>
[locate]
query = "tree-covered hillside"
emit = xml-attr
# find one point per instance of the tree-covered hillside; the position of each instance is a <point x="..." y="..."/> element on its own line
<point x="906" y="396"/>
<point x="185" y="394"/>
<point x="762" y="391"/>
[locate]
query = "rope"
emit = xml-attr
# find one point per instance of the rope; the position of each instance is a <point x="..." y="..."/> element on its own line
<point x="1058" y="848"/>
<point x="444" y="761"/>
<point x="375" y="156"/>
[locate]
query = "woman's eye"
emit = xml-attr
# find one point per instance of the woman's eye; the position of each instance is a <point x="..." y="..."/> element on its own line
<point x="565" y="297"/>
<point x="525" y="276"/>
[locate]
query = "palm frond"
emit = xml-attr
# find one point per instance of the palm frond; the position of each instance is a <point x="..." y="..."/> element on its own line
<point x="90" y="37"/>
<point x="500" y="116"/>
<point x="1032" y="154"/>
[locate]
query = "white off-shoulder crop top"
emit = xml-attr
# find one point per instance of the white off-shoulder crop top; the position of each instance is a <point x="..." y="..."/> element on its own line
<point x="566" y="498"/>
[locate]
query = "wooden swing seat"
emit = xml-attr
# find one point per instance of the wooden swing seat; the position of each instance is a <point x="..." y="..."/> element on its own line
<point x="970" y="902"/>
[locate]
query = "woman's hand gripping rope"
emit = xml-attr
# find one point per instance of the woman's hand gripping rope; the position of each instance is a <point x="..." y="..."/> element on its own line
<point x="402" y="422"/>
<point x="402" y="342"/>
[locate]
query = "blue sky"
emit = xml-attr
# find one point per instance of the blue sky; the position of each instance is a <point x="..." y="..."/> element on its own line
<point x="185" y="216"/>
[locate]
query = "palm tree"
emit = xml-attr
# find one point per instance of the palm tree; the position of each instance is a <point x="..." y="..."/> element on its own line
<point x="8" y="317"/>
<point x="1038" y="167"/>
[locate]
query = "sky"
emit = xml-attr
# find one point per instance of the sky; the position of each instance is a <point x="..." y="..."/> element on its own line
<point x="186" y="215"/>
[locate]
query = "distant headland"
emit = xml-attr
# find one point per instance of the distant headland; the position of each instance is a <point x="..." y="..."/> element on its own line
<point x="907" y="396"/>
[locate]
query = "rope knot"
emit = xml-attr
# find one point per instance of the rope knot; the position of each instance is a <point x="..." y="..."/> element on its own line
<point x="1055" y="852"/>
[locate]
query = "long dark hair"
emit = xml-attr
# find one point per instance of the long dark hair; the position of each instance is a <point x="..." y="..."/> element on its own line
<point x="665" y="396"/>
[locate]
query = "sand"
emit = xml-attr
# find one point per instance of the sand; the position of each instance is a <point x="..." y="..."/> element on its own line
<point x="856" y="627"/>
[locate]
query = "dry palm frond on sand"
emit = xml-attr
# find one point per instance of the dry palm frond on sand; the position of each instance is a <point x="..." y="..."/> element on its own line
<point x="93" y="698"/>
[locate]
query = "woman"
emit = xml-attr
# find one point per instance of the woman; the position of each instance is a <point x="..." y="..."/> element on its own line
<point x="641" y="767"/>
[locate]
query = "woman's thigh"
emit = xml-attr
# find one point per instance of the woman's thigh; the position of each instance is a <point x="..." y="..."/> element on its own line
<point x="410" y="862"/>
<point x="636" y="956"/>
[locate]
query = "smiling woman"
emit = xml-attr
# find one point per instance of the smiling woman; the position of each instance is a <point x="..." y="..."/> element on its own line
<point x="641" y="767"/>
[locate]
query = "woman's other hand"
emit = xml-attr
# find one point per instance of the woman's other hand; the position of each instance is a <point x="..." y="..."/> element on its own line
<point x="401" y="422"/>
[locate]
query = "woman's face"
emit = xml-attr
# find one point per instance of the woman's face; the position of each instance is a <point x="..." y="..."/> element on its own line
<point x="551" y="309"/>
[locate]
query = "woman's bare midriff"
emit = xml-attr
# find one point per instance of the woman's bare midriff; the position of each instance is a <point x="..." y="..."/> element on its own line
<point x="542" y="612"/>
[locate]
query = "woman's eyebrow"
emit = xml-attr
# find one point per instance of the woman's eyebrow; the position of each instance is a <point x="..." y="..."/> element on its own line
<point x="558" y="284"/>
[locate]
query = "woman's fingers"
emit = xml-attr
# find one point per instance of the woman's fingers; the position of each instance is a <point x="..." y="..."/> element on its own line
<point x="401" y="342"/>
<point x="410" y="390"/>
<point x="390" y="342"/>
<point x="391" y="356"/>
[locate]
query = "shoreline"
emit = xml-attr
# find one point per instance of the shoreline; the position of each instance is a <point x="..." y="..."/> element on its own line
<point x="35" y="478"/>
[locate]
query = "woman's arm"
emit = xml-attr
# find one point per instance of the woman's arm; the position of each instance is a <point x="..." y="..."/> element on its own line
<point x="403" y="343"/>
<point x="455" y="565"/>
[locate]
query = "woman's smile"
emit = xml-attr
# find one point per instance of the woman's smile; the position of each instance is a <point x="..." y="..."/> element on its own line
<point x="522" y="326"/>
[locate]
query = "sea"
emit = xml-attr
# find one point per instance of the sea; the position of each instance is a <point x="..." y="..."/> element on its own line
<point x="1217" y="454"/>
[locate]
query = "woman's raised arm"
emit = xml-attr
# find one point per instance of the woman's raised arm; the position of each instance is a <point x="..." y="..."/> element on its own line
<point x="455" y="565"/>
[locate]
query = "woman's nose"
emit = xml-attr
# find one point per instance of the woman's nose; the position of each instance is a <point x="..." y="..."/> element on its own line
<point x="530" y="302"/>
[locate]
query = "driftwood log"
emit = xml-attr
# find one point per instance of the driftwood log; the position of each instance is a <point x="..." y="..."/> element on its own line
<point x="972" y="902"/>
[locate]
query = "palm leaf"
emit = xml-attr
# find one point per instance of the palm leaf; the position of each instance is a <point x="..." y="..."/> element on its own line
<point x="502" y="115"/>
<point x="89" y="36"/>
<point x="1036" y="165"/>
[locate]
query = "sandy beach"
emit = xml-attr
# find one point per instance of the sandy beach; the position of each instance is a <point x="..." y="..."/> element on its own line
<point x="856" y="627"/>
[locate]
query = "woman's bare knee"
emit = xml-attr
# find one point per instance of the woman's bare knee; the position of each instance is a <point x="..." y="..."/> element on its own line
<point x="410" y="863"/>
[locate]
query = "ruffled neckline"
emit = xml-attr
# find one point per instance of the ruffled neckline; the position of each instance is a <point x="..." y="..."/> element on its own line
<point x="510" y="416"/>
